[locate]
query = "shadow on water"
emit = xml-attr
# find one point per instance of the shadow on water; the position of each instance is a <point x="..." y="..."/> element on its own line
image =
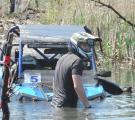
<point x="121" y="107"/>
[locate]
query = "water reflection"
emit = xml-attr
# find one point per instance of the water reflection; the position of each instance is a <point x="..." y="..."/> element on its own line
<point x="121" y="107"/>
<point x="71" y="114"/>
<point x="124" y="77"/>
<point x="30" y="111"/>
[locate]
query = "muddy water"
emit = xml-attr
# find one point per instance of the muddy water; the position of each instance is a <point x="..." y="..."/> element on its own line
<point x="120" y="107"/>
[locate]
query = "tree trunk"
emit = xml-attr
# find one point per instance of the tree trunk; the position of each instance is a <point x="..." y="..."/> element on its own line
<point x="12" y="6"/>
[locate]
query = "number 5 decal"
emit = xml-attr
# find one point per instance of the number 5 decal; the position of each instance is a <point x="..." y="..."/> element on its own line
<point x="34" y="78"/>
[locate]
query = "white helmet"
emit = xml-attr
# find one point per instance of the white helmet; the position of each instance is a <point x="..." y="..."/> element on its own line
<point x="83" y="37"/>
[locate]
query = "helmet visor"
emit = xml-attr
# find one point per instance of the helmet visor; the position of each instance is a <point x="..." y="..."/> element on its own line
<point x="84" y="46"/>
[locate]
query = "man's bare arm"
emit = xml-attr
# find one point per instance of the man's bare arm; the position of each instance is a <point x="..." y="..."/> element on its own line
<point x="78" y="86"/>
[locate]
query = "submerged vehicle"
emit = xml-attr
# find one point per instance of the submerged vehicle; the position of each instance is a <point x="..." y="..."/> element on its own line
<point x="30" y="48"/>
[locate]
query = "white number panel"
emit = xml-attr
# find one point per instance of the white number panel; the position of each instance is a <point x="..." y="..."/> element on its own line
<point x="32" y="78"/>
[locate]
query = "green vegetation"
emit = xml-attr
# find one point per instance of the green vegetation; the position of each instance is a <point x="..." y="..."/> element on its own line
<point x="118" y="36"/>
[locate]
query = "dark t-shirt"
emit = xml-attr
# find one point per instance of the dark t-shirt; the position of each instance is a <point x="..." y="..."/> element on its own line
<point x="64" y="93"/>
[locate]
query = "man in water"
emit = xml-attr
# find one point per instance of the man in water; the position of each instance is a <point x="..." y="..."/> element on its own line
<point x="68" y="83"/>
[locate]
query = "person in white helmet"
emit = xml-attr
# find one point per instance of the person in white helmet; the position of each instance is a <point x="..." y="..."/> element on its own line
<point x="68" y="83"/>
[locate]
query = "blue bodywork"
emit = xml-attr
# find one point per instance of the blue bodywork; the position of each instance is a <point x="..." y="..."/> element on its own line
<point x="38" y="93"/>
<point x="32" y="91"/>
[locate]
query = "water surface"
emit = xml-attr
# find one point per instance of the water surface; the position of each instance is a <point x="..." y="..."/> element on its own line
<point x="121" y="107"/>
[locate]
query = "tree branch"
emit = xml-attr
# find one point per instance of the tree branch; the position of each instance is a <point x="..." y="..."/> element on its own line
<point x="115" y="11"/>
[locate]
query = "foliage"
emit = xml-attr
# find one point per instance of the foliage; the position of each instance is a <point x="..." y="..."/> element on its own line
<point x="118" y="36"/>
